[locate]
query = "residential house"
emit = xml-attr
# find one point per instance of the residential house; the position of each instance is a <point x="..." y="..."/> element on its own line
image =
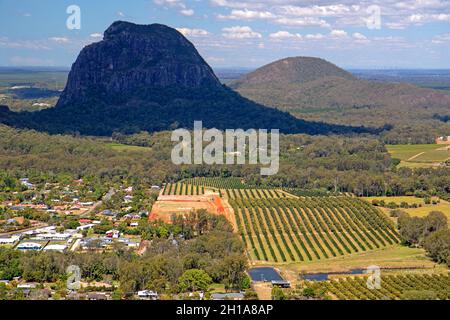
<point x="148" y="295"/>
<point x="115" y="234"/>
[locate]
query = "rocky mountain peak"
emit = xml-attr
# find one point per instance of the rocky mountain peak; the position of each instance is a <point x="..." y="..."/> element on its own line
<point x="134" y="57"/>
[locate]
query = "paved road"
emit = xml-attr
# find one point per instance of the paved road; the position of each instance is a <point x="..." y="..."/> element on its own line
<point x="40" y="225"/>
<point x="106" y="197"/>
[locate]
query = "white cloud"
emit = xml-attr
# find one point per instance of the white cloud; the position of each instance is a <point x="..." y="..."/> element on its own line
<point x="187" y="12"/>
<point x="395" y="14"/>
<point x="60" y="39"/>
<point x="338" y="34"/>
<point x="418" y="19"/>
<point x="302" y="22"/>
<point x="193" y="32"/>
<point x="237" y="4"/>
<point x="359" y="36"/>
<point x="317" y="36"/>
<point x="319" y="11"/>
<point x="396" y="25"/>
<point x="178" y="4"/>
<point x="23" y="44"/>
<point x="247" y="15"/>
<point x="239" y="32"/>
<point x="96" y="35"/>
<point x="284" y="35"/>
<point x="443" y="38"/>
<point x="120" y="14"/>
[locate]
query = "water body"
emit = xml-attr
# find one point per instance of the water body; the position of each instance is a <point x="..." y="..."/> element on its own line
<point x="325" y="276"/>
<point x="264" y="274"/>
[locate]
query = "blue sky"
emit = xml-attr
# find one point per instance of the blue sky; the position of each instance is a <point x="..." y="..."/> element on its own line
<point x="248" y="33"/>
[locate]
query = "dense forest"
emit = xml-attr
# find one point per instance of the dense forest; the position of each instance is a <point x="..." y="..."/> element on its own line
<point x="157" y="109"/>
<point x="340" y="164"/>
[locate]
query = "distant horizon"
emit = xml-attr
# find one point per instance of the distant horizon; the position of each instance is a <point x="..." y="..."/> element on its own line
<point x="67" y="68"/>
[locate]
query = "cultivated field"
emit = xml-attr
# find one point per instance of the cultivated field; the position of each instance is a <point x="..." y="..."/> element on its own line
<point x="183" y="189"/>
<point x="289" y="229"/>
<point x="393" y="287"/>
<point x="419" y="155"/>
<point x="278" y="226"/>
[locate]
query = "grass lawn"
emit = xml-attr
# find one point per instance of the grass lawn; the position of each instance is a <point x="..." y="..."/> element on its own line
<point x="396" y="256"/>
<point x="217" y="288"/>
<point x="124" y="147"/>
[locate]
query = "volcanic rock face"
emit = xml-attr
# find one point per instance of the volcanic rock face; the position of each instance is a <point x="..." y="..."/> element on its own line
<point x="132" y="57"/>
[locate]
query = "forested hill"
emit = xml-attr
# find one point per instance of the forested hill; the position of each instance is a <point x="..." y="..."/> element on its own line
<point x="291" y="70"/>
<point x="151" y="78"/>
<point x="316" y="90"/>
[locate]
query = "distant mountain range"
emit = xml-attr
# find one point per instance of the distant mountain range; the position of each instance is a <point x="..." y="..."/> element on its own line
<point x="314" y="89"/>
<point x="151" y="78"/>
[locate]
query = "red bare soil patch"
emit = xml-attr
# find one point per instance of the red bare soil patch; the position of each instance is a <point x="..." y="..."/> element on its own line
<point x="167" y="205"/>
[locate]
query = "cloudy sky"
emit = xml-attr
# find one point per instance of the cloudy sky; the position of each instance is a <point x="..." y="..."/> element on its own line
<point x="232" y="33"/>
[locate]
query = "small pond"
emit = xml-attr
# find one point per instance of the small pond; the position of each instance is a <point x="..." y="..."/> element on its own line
<point x="324" y="276"/>
<point x="265" y="274"/>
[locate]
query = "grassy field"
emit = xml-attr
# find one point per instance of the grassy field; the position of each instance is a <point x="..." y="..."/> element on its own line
<point x="397" y="200"/>
<point x="419" y="155"/>
<point x="424" y="209"/>
<point x="397" y="256"/>
<point x="443" y="207"/>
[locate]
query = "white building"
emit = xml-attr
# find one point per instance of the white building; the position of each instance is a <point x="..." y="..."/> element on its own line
<point x="10" y="240"/>
<point x="85" y="227"/>
<point x="29" y="246"/>
<point x="56" y="247"/>
<point x="54" y="236"/>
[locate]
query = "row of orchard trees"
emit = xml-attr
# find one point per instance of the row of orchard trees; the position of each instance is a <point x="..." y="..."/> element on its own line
<point x="393" y="287"/>
<point x="290" y="229"/>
